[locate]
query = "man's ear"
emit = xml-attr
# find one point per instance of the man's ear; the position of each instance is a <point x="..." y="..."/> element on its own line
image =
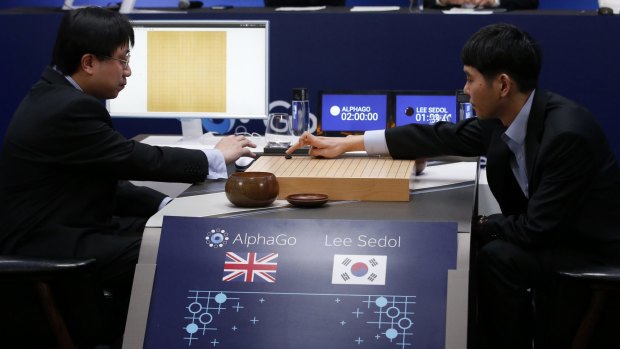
<point x="88" y="62"/>
<point x="505" y="83"/>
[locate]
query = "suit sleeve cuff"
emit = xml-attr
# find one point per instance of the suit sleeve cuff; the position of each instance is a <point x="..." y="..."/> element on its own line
<point x="164" y="202"/>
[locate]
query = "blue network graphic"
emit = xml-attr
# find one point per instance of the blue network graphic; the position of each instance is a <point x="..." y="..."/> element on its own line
<point x="365" y="321"/>
<point x="394" y="315"/>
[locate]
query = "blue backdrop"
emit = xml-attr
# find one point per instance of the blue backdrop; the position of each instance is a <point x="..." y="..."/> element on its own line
<point x="336" y="49"/>
<point x="544" y="4"/>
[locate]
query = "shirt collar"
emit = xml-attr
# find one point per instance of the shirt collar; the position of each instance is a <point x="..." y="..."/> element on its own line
<point x="517" y="129"/>
<point x="72" y="82"/>
<point x="70" y="79"/>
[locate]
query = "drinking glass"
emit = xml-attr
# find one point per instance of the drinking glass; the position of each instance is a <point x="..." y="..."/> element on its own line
<point x="279" y="133"/>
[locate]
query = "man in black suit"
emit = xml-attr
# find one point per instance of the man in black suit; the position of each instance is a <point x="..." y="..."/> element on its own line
<point x="551" y="170"/>
<point x="64" y="170"/>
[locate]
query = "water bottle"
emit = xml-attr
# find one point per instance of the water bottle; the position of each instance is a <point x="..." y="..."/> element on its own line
<point x="301" y="111"/>
<point x="465" y="111"/>
<point x="416" y="5"/>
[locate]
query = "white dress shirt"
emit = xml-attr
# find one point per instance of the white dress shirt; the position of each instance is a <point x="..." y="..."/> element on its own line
<point x="514" y="137"/>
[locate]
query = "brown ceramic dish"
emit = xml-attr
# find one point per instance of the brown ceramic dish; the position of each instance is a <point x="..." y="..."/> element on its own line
<point x="252" y="189"/>
<point x="307" y="200"/>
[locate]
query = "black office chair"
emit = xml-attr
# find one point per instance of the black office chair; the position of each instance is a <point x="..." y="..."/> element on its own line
<point x="602" y="281"/>
<point x="40" y="272"/>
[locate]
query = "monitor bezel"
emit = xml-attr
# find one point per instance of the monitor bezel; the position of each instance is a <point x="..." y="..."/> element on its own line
<point x="200" y="115"/>
<point x="396" y="93"/>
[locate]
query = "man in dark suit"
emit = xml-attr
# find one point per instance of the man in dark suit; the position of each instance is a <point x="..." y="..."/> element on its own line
<point x="551" y="170"/>
<point x="64" y="170"/>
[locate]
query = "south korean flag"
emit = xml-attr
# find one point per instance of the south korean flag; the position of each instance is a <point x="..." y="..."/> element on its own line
<point x="359" y="269"/>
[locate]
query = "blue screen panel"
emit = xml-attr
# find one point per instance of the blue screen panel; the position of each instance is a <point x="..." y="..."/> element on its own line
<point x="353" y="112"/>
<point x="425" y="109"/>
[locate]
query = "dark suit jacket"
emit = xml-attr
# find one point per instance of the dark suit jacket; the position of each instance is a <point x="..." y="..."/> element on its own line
<point x="63" y="169"/>
<point x="574" y="178"/>
<point x="507" y="4"/>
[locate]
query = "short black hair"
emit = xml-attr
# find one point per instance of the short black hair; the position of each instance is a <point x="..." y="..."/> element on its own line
<point x="504" y="48"/>
<point x="93" y="30"/>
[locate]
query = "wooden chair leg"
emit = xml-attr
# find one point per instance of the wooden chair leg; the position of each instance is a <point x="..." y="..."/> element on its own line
<point x="590" y="319"/>
<point x="54" y="318"/>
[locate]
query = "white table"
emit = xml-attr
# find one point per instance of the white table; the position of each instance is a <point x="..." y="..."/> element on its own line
<point x="443" y="193"/>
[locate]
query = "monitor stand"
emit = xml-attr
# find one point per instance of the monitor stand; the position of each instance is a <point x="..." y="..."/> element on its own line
<point x="191" y="128"/>
<point x="192" y="137"/>
<point x="127" y="6"/>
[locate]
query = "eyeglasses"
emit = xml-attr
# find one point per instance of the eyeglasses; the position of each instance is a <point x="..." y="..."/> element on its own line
<point x="124" y="62"/>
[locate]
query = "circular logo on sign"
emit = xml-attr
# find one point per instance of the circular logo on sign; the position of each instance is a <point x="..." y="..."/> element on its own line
<point x="217" y="238"/>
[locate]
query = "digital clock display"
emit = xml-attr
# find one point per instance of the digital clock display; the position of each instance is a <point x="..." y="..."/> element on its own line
<point x="425" y="109"/>
<point x="353" y="112"/>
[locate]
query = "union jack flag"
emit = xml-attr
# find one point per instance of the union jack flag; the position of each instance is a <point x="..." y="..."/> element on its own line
<point x="253" y="267"/>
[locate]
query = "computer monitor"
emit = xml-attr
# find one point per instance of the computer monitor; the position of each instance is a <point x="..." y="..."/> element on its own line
<point x="352" y="112"/>
<point x="424" y="107"/>
<point x="193" y="69"/>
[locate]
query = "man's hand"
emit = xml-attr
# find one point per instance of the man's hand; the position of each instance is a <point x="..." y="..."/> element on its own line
<point x="235" y="146"/>
<point x="420" y="165"/>
<point x="328" y="147"/>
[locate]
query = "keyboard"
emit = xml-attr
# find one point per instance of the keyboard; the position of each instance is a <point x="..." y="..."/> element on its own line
<point x="207" y="141"/>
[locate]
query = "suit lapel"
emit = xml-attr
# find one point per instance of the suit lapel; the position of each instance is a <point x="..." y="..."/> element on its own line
<point x="498" y="164"/>
<point x="534" y="134"/>
<point x="499" y="174"/>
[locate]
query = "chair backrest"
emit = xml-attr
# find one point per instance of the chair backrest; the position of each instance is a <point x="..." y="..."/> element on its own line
<point x="39" y="268"/>
<point x="38" y="272"/>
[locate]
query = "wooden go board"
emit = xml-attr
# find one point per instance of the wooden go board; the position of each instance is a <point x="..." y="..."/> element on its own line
<point x="350" y="178"/>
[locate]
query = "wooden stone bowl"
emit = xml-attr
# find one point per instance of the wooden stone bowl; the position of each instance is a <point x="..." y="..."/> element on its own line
<point x="252" y="189"/>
